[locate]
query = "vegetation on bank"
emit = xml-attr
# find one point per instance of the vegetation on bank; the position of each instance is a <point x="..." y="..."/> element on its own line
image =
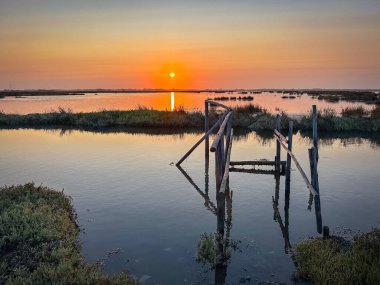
<point x="245" y="117"/>
<point x="39" y="240"/>
<point x="337" y="261"/>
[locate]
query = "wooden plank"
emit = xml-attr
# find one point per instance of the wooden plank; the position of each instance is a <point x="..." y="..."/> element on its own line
<point x="308" y="184"/>
<point x="280" y="136"/>
<point x="256" y="162"/>
<point x="218" y="104"/>
<point x="198" y="143"/>
<point x="227" y="166"/>
<point x="253" y="171"/>
<point x="219" y="134"/>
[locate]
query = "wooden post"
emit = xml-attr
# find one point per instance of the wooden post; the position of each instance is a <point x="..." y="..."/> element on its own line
<point x="315" y="129"/>
<point x="315" y="184"/>
<point x="207" y="166"/>
<point x="290" y="143"/>
<point x="326" y="232"/>
<point x="206" y="130"/>
<point x="218" y="171"/>
<point x="278" y="146"/>
<point x="228" y="133"/>
<point x="222" y="154"/>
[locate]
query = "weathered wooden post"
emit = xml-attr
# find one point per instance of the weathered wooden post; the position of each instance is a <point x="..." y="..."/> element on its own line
<point x="228" y="134"/>
<point x="290" y="143"/>
<point x="218" y="170"/>
<point x="326" y="232"/>
<point x="315" y="129"/>
<point x="278" y="145"/>
<point x="315" y="184"/>
<point x="206" y="130"/>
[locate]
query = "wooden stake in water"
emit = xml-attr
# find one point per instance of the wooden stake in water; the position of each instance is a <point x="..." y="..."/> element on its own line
<point x="315" y="129"/>
<point x="278" y="146"/>
<point x="207" y="142"/>
<point x="290" y="143"/>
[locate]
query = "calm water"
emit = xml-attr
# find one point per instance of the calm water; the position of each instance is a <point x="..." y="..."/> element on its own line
<point x="160" y="101"/>
<point x="131" y="201"/>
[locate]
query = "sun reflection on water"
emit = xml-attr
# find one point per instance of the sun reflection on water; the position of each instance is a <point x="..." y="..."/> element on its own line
<point x="172" y="100"/>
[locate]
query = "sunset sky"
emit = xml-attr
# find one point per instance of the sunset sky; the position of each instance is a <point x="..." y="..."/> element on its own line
<point x="206" y="43"/>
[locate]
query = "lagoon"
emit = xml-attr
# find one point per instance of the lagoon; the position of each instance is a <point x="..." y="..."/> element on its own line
<point x="139" y="212"/>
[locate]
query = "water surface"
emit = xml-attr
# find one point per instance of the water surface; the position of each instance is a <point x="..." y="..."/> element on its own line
<point x="132" y="201"/>
<point x="162" y="101"/>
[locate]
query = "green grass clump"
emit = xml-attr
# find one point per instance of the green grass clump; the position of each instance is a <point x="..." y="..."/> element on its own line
<point x="335" y="261"/>
<point x="39" y="240"/>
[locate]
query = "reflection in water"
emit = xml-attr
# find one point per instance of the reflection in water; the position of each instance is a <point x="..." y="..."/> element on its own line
<point x="172" y="101"/>
<point x="214" y="249"/>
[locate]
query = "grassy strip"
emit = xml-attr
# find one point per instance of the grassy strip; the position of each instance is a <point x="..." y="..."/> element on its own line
<point x="335" y="261"/>
<point x="326" y="123"/>
<point x="247" y="117"/>
<point x="39" y="240"/>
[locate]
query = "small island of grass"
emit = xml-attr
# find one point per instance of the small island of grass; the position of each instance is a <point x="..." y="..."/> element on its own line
<point x="248" y="117"/>
<point x="337" y="261"/>
<point x="39" y="240"/>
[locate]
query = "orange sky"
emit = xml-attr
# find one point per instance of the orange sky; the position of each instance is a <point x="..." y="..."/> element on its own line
<point x="235" y="44"/>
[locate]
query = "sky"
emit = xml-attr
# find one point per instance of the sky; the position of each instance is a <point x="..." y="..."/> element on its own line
<point x="207" y="44"/>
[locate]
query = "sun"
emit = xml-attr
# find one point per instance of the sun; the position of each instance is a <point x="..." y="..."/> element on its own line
<point x="172" y="74"/>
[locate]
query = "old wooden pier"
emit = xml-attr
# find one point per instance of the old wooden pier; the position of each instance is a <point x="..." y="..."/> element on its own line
<point x="221" y="146"/>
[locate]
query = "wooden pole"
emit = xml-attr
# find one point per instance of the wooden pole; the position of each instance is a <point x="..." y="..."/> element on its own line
<point x="206" y="130"/>
<point x="213" y="103"/>
<point x="315" y="183"/>
<point x="198" y="143"/>
<point x="220" y="133"/>
<point x="303" y="174"/>
<point x="290" y="143"/>
<point x="315" y="129"/>
<point x="218" y="171"/>
<point x="226" y="173"/>
<point x="278" y="147"/>
<point x="228" y="133"/>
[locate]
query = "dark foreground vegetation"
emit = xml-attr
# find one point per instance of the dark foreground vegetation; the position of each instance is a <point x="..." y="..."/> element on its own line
<point x="248" y="117"/>
<point x="39" y="240"/>
<point x="337" y="261"/>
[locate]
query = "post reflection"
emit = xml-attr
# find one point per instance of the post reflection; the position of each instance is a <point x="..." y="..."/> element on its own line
<point x="214" y="249"/>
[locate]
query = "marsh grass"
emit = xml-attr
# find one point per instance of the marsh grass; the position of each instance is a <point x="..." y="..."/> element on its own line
<point x="39" y="240"/>
<point x="244" y="117"/>
<point x="354" y="112"/>
<point x="336" y="261"/>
